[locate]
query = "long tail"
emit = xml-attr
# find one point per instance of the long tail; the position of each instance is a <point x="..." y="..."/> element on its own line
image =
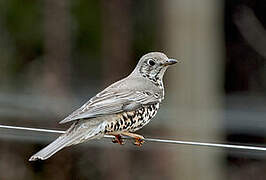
<point x="73" y="136"/>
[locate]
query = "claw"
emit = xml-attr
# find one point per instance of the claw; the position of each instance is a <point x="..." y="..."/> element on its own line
<point x="118" y="139"/>
<point x="139" y="142"/>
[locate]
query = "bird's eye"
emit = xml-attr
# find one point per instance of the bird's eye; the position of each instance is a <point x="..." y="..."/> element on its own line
<point x="151" y="62"/>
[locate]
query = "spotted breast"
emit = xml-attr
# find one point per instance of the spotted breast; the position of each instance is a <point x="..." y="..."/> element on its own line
<point x="133" y="120"/>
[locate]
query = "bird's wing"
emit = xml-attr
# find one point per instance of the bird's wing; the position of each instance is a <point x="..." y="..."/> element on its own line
<point x="106" y="103"/>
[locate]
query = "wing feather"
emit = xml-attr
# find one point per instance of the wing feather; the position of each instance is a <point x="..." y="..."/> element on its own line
<point x="106" y="103"/>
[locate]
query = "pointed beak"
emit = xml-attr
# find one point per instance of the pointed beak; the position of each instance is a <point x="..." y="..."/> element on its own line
<point x="171" y="62"/>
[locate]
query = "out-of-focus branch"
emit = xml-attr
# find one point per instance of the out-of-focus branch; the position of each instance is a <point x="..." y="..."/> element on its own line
<point x="57" y="46"/>
<point x="251" y="29"/>
<point x="117" y="39"/>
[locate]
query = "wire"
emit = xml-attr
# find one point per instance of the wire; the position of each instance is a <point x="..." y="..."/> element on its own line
<point x="230" y="146"/>
<point x="32" y="129"/>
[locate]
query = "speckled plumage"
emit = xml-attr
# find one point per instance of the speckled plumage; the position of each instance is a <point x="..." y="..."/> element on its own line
<point x="121" y="109"/>
<point x="132" y="121"/>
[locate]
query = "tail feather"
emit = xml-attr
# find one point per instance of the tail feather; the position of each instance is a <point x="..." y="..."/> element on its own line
<point x="68" y="139"/>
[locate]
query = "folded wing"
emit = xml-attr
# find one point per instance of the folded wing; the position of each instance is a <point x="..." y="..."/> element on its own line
<point x="106" y="103"/>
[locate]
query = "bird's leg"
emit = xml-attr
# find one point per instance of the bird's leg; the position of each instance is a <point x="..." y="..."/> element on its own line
<point x="118" y="139"/>
<point x="139" y="139"/>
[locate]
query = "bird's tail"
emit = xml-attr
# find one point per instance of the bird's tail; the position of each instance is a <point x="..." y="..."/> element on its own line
<point x="73" y="136"/>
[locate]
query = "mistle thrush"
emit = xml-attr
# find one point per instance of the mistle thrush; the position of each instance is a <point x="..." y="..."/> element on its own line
<point x="121" y="109"/>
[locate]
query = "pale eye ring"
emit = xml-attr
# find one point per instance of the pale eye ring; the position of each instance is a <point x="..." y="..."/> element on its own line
<point x="151" y="62"/>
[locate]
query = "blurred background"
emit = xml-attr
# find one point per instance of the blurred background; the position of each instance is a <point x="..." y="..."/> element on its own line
<point x="55" y="55"/>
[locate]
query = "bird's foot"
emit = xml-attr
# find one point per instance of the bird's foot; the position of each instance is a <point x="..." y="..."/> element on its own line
<point x="139" y="141"/>
<point x="118" y="139"/>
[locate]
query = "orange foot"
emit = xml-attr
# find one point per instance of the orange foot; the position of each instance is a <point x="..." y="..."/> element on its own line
<point x="118" y="139"/>
<point x="139" y="140"/>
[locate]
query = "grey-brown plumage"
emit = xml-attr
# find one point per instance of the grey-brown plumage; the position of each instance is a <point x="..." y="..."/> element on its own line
<point x="121" y="109"/>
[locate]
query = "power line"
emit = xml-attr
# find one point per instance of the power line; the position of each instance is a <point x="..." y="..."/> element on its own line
<point x="230" y="146"/>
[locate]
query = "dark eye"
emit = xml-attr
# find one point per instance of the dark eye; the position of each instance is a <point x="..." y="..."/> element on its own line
<point x="151" y="62"/>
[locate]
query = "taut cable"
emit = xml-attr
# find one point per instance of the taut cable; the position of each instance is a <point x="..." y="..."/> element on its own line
<point x="230" y="146"/>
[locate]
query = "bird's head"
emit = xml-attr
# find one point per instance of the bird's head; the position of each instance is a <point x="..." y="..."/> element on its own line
<point x="153" y="65"/>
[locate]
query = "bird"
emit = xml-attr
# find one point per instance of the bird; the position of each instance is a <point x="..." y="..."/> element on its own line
<point x="119" y="110"/>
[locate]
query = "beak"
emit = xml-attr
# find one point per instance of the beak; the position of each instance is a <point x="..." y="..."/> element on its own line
<point x="170" y="62"/>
